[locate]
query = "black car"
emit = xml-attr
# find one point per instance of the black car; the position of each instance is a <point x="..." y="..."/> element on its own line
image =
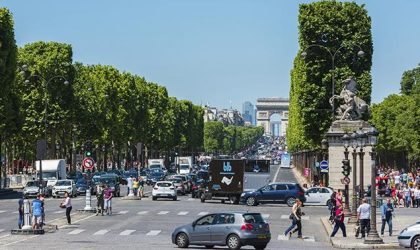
<point x="155" y="176"/>
<point x="81" y="186"/>
<point x="111" y="180"/>
<point x="274" y="193"/>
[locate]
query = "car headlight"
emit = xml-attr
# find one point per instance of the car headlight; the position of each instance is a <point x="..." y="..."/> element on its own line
<point x="243" y="194"/>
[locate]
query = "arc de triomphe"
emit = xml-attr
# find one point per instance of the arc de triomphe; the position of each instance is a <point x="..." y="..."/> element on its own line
<point x="266" y="107"/>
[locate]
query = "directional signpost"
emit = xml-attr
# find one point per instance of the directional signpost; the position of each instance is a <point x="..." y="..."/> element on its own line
<point x="323" y="165"/>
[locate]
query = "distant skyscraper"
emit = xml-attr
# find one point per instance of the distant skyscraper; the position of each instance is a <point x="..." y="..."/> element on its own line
<point x="248" y="112"/>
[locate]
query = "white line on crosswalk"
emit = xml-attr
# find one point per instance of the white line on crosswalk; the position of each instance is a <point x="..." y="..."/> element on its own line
<point x="15" y="212"/>
<point x="282" y="237"/>
<point x="1" y="230"/>
<point x="309" y="238"/>
<point x="163" y="212"/>
<point x="76" y="231"/>
<point x="202" y="213"/>
<point x="305" y="217"/>
<point x="127" y="232"/>
<point x="2" y="211"/>
<point x="143" y="212"/>
<point x="183" y="213"/>
<point x="283" y="216"/>
<point x="153" y="232"/>
<point x="101" y="232"/>
<point x="123" y="212"/>
<point x="265" y="216"/>
<point x="190" y="199"/>
<point x="59" y="212"/>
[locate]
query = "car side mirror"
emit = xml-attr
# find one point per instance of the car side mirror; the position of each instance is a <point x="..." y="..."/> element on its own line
<point x="261" y="191"/>
<point x="194" y="224"/>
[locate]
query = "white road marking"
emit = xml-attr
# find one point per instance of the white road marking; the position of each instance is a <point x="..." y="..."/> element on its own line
<point x="2" y="211"/>
<point x="127" y="232"/>
<point x="143" y="212"/>
<point x="282" y="237"/>
<point x="265" y="216"/>
<point x="309" y="238"/>
<point x="60" y="212"/>
<point x="283" y="216"/>
<point x="202" y="213"/>
<point x="1" y="230"/>
<point x="153" y="232"/>
<point x="123" y="212"/>
<point x="190" y="199"/>
<point x="183" y="213"/>
<point x="101" y="232"/>
<point x="15" y="212"/>
<point x="277" y="173"/>
<point x="305" y="217"/>
<point x="163" y="212"/>
<point x="76" y="231"/>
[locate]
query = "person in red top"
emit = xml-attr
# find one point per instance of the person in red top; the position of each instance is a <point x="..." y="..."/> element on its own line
<point x="339" y="222"/>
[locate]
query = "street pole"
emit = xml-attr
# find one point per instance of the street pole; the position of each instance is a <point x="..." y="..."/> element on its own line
<point x="346" y="187"/>
<point x="353" y="218"/>
<point x="361" y="190"/>
<point x="373" y="236"/>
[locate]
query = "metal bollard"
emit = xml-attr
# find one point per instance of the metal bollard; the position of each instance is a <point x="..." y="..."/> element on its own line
<point x="88" y="200"/>
<point x="27" y="215"/>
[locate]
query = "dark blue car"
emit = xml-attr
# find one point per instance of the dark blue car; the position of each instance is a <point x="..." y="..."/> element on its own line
<point x="155" y="176"/>
<point x="274" y="193"/>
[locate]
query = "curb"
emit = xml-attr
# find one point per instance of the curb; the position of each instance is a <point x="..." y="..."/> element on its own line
<point x="351" y="244"/>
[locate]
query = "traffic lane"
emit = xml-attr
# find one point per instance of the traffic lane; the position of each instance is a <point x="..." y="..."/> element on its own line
<point x="285" y="175"/>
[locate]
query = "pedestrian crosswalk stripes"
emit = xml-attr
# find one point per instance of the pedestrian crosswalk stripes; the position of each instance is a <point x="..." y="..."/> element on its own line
<point x="15" y="212"/>
<point x="202" y="213"/>
<point x="304" y="238"/>
<point x="76" y="231"/>
<point x="183" y="213"/>
<point x="2" y="211"/>
<point x="143" y="212"/>
<point x="153" y="232"/>
<point x="60" y="211"/>
<point x="265" y="216"/>
<point x="127" y="232"/>
<point x="123" y="212"/>
<point x="191" y="199"/>
<point x="101" y="232"/>
<point x="163" y="212"/>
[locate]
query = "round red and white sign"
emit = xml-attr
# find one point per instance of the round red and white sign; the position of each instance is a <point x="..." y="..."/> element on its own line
<point x="88" y="163"/>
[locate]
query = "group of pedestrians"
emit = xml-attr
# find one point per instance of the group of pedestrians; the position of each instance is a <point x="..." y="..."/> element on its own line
<point x="136" y="185"/>
<point x="104" y="196"/>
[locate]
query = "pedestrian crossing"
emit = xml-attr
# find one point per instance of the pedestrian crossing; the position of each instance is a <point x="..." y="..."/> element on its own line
<point x="283" y="237"/>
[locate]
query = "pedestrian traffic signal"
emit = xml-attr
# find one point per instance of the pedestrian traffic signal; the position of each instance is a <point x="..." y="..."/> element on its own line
<point x="346" y="168"/>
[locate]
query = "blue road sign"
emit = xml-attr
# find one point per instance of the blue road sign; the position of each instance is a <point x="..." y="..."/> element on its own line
<point x="323" y="165"/>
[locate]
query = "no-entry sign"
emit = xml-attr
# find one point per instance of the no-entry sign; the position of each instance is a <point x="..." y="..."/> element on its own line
<point x="88" y="163"/>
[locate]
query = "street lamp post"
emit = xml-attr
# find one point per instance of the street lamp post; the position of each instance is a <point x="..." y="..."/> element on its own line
<point x="353" y="218"/>
<point x="373" y="237"/>
<point x="346" y="144"/>
<point x="324" y="146"/>
<point x="360" y="53"/>
<point x="46" y="84"/>
<point x="361" y="142"/>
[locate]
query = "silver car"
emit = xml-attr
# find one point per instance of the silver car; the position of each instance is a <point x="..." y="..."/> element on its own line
<point x="231" y="229"/>
<point x="410" y="236"/>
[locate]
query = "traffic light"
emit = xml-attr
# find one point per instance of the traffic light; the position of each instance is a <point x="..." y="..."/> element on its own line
<point x="346" y="168"/>
<point x="88" y="149"/>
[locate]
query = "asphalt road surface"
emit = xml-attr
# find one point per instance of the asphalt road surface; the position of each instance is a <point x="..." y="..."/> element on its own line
<point x="147" y="224"/>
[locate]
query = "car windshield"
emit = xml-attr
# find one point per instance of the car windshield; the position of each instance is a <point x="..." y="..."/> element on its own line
<point x="253" y="218"/>
<point x="155" y="166"/>
<point x="184" y="167"/>
<point x="175" y="180"/>
<point x="164" y="184"/>
<point x="108" y="181"/>
<point x="63" y="183"/>
<point x="32" y="184"/>
<point x="156" y="174"/>
<point x="81" y="182"/>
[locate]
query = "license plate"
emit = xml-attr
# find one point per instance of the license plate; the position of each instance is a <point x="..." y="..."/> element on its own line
<point x="262" y="236"/>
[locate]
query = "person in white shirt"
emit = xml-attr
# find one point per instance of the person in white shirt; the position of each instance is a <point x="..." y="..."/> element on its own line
<point x="67" y="204"/>
<point x="417" y="196"/>
<point x="363" y="214"/>
<point x="397" y="180"/>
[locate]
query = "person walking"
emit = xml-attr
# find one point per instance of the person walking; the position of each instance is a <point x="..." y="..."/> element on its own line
<point x="20" y="212"/>
<point x="135" y="186"/>
<point x="339" y="221"/>
<point x="407" y="196"/>
<point x="417" y="195"/>
<point x="129" y="184"/>
<point x="141" y="187"/>
<point x="296" y="217"/>
<point x="36" y="212"/>
<point x="99" y="199"/>
<point x="363" y="214"/>
<point x="386" y="214"/>
<point x="108" y="200"/>
<point x="67" y="204"/>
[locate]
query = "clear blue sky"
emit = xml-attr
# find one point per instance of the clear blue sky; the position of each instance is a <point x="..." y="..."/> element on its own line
<point x="210" y="51"/>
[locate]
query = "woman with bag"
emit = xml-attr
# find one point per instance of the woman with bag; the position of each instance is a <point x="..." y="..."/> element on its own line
<point x="67" y="204"/>
<point x="339" y="221"/>
<point x="296" y="217"/>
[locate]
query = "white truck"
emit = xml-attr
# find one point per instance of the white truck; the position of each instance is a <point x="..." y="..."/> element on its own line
<point x="157" y="164"/>
<point x="52" y="170"/>
<point x="185" y="164"/>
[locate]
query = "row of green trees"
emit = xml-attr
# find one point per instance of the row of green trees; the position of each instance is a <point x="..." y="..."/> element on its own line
<point x="343" y="28"/>
<point x="397" y="118"/>
<point x="46" y="94"/>
<point x="219" y="138"/>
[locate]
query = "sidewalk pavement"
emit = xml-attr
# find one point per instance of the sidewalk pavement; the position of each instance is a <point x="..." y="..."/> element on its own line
<point x="351" y="242"/>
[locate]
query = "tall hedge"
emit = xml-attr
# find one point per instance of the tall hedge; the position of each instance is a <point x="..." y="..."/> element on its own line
<point x="330" y="24"/>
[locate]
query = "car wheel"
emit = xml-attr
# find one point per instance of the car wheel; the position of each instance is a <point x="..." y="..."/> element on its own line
<point x="290" y="201"/>
<point x="154" y="198"/>
<point x="174" y="198"/>
<point x="260" y="247"/>
<point x="233" y="242"/>
<point x="250" y="201"/>
<point x="182" y="240"/>
<point x="329" y="203"/>
<point x="202" y="198"/>
<point x="415" y="243"/>
<point x="209" y="246"/>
